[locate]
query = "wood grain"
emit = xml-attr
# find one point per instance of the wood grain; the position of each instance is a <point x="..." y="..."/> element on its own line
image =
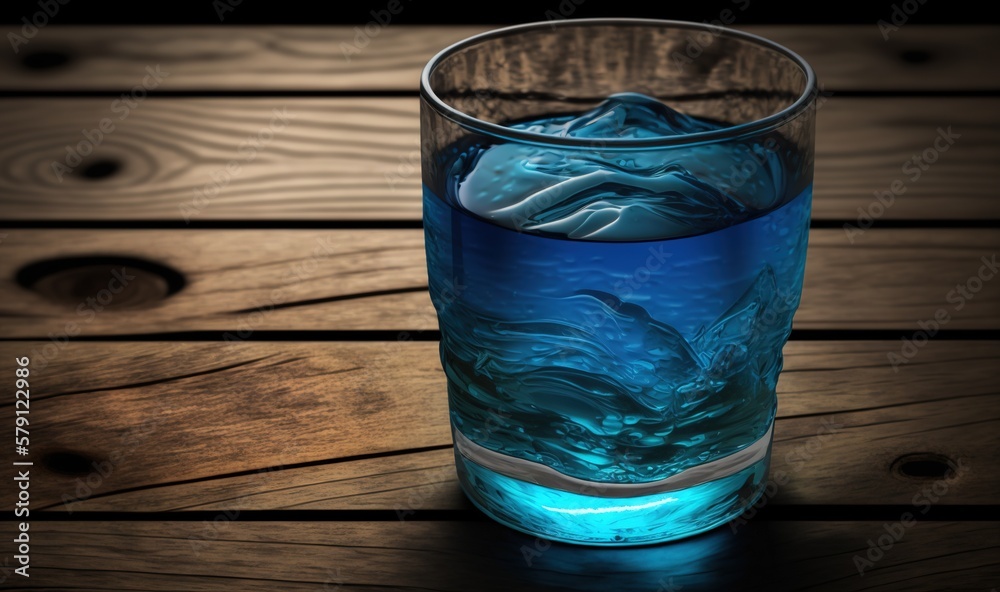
<point x="234" y="425"/>
<point x="328" y="162"/>
<point x="312" y="58"/>
<point x="243" y="281"/>
<point x="255" y="409"/>
<point x="841" y="290"/>
<point x="178" y="421"/>
<point x="459" y="556"/>
<point x="358" y="159"/>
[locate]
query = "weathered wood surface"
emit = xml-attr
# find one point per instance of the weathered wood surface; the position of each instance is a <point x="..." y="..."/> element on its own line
<point x="358" y="159"/>
<point x="460" y="556"/>
<point x="243" y="281"/>
<point x="302" y="159"/>
<point x="235" y="425"/>
<point x="176" y="421"/>
<point x="313" y="58"/>
<point x="239" y="280"/>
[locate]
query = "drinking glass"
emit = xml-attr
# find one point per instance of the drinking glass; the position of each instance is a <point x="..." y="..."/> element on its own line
<point x="614" y="280"/>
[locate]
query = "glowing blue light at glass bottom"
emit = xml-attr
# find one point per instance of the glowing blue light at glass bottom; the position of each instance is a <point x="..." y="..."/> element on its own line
<point x="575" y="518"/>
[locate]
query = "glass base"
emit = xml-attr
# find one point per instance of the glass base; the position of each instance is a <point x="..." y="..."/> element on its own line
<point x="611" y="521"/>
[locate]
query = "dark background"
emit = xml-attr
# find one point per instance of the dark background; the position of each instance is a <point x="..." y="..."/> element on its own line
<point x="318" y="12"/>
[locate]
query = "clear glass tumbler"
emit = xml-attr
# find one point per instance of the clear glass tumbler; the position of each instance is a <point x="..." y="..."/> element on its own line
<point x="616" y="214"/>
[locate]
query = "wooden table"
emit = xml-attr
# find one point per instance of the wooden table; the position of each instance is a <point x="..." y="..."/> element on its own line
<point x="261" y="406"/>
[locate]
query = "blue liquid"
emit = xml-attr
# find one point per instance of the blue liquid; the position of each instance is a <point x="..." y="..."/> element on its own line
<point x="620" y="330"/>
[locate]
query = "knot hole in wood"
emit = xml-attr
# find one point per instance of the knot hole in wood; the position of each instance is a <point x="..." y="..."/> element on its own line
<point x="45" y="59"/>
<point x="68" y="463"/>
<point x="925" y="465"/>
<point x="915" y="56"/>
<point x="100" y="169"/>
<point x="101" y="282"/>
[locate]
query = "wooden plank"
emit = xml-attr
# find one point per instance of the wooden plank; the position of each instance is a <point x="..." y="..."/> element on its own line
<point x="358" y="159"/>
<point x="328" y="162"/>
<point x="841" y="290"/>
<point x="312" y="58"/>
<point x="242" y="281"/>
<point x="865" y="146"/>
<point x="459" y="556"/>
<point x="190" y="411"/>
<point x="239" y="280"/>
<point x="178" y="421"/>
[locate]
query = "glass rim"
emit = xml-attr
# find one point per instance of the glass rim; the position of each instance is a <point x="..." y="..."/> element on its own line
<point x="770" y="122"/>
